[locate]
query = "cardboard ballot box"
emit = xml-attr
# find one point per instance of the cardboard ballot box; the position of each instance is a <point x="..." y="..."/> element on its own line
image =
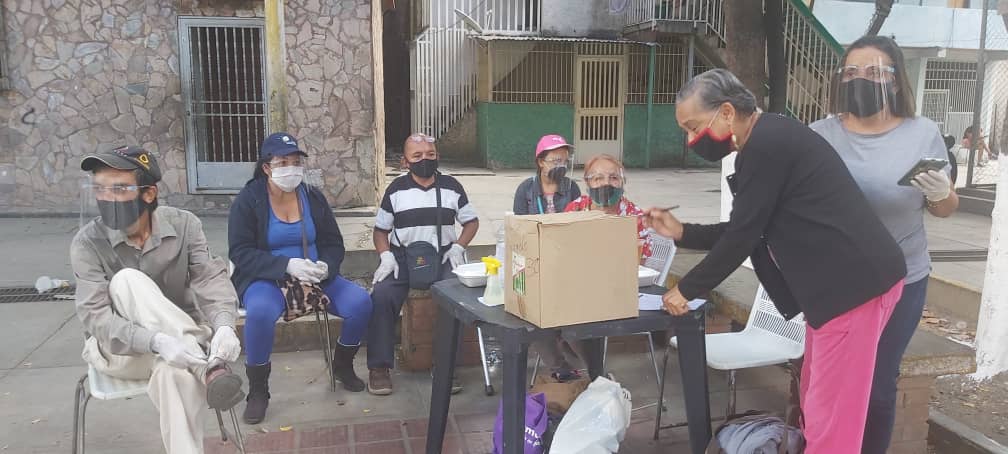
<point x="569" y="268"/>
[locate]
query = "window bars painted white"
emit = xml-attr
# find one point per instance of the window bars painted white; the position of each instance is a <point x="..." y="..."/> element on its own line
<point x="949" y="94"/>
<point x="532" y="71"/>
<point x="442" y="79"/>
<point x="519" y="17"/>
<point x="811" y="56"/>
<point x="707" y="12"/>
<point x="222" y="64"/>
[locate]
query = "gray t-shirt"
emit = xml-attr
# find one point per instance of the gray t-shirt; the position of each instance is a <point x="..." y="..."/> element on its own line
<point x="877" y="162"/>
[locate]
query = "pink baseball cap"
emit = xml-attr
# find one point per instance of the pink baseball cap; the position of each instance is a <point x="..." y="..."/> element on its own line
<point x="551" y="142"/>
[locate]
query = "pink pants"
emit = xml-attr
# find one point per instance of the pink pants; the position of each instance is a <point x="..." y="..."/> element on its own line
<point x="836" y="376"/>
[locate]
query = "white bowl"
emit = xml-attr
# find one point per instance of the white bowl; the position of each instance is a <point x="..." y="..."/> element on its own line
<point x="472" y="274"/>
<point x="646" y="276"/>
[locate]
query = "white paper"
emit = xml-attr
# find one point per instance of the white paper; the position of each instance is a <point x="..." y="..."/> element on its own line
<point x="646" y="302"/>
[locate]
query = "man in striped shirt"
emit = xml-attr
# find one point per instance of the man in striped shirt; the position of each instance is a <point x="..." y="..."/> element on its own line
<point x="409" y="213"/>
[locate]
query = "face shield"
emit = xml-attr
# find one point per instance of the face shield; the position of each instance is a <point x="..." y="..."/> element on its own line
<point x="605" y="188"/>
<point x="865" y="90"/>
<point x="115" y="205"/>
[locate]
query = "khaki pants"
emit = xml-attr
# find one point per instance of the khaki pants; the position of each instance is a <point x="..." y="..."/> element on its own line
<point x="178" y="394"/>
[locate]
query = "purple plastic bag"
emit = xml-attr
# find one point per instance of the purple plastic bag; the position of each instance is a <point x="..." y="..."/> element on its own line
<point x="536" y="423"/>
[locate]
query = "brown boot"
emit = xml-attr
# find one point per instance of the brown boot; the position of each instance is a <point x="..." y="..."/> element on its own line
<point x="224" y="388"/>
<point x="379" y="382"/>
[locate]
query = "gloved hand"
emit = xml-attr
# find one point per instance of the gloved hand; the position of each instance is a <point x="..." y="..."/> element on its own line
<point x="387" y="266"/>
<point x="303" y="270"/>
<point x="225" y="345"/>
<point x="456" y="255"/>
<point x="175" y="353"/>
<point x="322" y="270"/>
<point x="935" y="185"/>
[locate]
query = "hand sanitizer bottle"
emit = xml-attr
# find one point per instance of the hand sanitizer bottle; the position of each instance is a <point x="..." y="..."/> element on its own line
<point x="494" y="293"/>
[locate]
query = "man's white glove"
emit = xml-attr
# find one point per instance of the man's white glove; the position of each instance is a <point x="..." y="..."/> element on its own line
<point x="456" y="255"/>
<point x="174" y="352"/>
<point x="935" y="185"/>
<point x="225" y="345"/>
<point x="303" y="270"/>
<point x="387" y="265"/>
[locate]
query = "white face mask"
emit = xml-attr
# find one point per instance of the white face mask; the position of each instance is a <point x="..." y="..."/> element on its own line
<point x="287" y="178"/>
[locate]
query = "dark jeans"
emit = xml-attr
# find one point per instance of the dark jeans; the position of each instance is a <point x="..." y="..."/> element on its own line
<point x="388" y="297"/>
<point x="892" y="345"/>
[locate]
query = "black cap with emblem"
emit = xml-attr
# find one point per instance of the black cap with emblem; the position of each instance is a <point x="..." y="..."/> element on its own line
<point x="128" y="157"/>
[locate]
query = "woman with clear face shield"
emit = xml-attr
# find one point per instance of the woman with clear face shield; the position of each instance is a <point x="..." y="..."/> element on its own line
<point x="875" y="130"/>
<point x="550" y="190"/>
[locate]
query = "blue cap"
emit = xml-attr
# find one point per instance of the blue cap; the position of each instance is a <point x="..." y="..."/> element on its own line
<point x="279" y="144"/>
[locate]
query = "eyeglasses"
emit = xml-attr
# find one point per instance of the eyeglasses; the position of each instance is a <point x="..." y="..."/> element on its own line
<point x="115" y="190"/>
<point x="598" y="179"/>
<point x="556" y="161"/>
<point x="420" y="137"/>
<point x="876" y="73"/>
<point x="287" y="162"/>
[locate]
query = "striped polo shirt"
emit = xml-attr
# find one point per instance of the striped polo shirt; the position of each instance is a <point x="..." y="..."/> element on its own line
<point x="408" y="211"/>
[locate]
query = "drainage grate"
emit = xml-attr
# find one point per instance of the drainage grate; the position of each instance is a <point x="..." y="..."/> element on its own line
<point x="30" y="295"/>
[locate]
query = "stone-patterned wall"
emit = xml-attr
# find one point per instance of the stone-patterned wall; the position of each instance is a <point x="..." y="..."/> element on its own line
<point x="92" y="74"/>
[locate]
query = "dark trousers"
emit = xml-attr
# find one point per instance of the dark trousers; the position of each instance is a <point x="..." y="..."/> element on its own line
<point x="892" y="345"/>
<point x="388" y="297"/>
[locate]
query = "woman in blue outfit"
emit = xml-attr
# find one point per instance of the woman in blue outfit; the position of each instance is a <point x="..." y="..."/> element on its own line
<point x="265" y="243"/>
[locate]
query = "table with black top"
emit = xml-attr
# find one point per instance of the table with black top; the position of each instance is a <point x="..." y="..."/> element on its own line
<point x="458" y="304"/>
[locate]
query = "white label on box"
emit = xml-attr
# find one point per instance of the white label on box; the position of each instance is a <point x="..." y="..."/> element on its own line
<point x="518" y="273"/>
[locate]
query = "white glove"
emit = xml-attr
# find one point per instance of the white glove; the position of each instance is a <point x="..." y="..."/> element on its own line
<point x="456" y="255"/>
<point x="225" y="345"/>
<point x="935" y="185"/>
<point x="387" y="266"/>
<point x="174" y="352"/>
<point x="303" y="270"/>
<point x="321" y="270"/>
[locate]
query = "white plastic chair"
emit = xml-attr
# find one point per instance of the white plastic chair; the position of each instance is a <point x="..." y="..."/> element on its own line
<point x="767" y="339"/>
<point x="105" y="387"/>
<point x="662" y="253"/>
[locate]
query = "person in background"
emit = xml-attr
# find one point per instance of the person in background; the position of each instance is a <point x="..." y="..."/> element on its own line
<point x="155" y="304"/>
<point x="877" y="133"/>
<point x="606" y="183"/>
<point x="950" y="143"/>
<point x="409" y="213"/>
<point x="550" y="190"/>
<point x="982" y="151"/>
<point x="272" y="217"/>
<point x="814" y="242"/>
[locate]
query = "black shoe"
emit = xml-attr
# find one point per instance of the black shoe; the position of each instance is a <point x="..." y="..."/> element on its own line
<point x="342" y="368"/>
<point x="224" y="388"/>
<point x="258" y="395"/>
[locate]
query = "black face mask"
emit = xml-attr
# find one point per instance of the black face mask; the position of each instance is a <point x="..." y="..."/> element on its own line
<point x="121" y="215"/>
<point x="864" y="97"/>
<point x="557" y="173"/>
<point x="710" y="148"/>
<point x="605" y="196"/>
<point x="424" y="168"/>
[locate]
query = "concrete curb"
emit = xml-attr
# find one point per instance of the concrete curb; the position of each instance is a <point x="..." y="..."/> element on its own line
<point x="949" y="435"/>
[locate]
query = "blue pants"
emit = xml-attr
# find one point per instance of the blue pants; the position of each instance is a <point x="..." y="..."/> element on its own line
<point x="264" y="304"/>
<point x="893" y="343"/>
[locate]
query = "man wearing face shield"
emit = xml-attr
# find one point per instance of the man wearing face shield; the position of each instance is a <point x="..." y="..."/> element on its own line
<point x="815" y="244"/>
<point x="156" y="305"/>
<point x="550" y="190"/>
<point x="409" y="213"/>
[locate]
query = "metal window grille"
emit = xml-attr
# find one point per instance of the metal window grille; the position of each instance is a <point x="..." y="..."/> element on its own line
<point x="707" y="12"/>
<point x="957" y="80"/>
<point x="670" y="68"/>
<point x="518" y="17"/>
<point x="533" y="71"/>
<point x="224" y="93"/>
<point x="443" y="79"/>
<point x="811" y="59"/>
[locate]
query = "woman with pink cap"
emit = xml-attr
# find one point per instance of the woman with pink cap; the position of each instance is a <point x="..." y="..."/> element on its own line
<point x="549" y="191"/>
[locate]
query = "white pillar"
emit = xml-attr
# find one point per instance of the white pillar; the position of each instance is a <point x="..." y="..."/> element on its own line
<point x="992" y="329"/>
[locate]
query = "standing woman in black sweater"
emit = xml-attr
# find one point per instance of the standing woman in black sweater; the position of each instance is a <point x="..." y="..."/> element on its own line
<point x="815" y="244"/>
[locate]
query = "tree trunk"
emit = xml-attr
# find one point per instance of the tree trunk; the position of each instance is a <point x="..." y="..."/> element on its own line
<point x="777" y="67"/>
<point x="992" y="337"/>
<point x="882" y="8"/>
<point x="744" y="53"/>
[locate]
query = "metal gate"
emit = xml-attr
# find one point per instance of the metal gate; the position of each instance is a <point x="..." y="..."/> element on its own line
<point x="222" y="66"/>
<point x="598" y="110"/>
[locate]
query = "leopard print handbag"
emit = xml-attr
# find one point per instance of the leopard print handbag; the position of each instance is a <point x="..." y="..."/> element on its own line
<point x="302" y="298"/>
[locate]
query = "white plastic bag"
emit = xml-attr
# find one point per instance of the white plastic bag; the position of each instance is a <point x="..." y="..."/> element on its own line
<point x="596" y="422"/>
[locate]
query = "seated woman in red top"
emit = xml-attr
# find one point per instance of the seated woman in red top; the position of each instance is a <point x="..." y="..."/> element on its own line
<point x="605" y="180"/>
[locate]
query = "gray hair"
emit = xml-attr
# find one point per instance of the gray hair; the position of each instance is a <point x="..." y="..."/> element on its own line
<point x="716" y="87"/>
